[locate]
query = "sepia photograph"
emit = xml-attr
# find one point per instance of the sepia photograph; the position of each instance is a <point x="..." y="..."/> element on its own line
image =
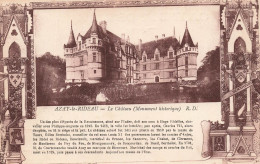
<point x="127" y="55"/>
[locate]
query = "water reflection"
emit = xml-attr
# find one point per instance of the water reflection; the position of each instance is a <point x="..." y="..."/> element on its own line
<point x="187" y="95"/>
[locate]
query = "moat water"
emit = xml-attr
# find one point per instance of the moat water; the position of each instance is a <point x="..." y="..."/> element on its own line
<point x="177" y="96"/>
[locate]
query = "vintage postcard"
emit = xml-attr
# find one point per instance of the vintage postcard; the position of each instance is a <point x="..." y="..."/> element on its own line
<point x="144" y="81"/>
<point x="102" y="58"/>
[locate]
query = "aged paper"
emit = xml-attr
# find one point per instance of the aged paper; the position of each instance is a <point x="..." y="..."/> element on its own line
<point x="129" y="81"/>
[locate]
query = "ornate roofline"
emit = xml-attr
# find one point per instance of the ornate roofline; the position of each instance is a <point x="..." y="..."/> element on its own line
<point x="234" y="23"/>
<point x="8" y="29"/>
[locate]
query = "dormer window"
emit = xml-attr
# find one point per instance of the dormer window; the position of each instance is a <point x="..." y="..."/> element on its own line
<point x="157" y="57"/>
<point x="171" y="55"/>
<point x="144" y="58"/>
<point x="94" y="41"/>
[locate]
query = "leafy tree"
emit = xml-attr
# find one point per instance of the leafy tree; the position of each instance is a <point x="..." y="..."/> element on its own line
<point x="209" y="74"/>
<point x="50" y="74"/>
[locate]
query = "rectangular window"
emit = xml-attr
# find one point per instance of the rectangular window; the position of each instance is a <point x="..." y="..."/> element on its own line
<point x="171" y="74"/>
<point x="144" y="67"/>
<point x="79" y="46"/>
<point x="186" y="60"/>
<point x="170" y="64"/>
<point x="126" y="49"/>
<point x="186" y="72"/>
<point x="81" y="61"/>
<point x="144" y="75"/>
<point x="118" y="63"/>
<point x="137" y="66"/>
<point x="170" y="55"/>
<point x="82" y="74"/>
<point x="157" y="65"/>
<point x="94" y="57"/>
<point x="95" y="71"/>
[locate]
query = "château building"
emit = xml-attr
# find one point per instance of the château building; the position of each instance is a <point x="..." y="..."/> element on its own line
<point x="168" y="60"/>
<point x="100" y="56"/>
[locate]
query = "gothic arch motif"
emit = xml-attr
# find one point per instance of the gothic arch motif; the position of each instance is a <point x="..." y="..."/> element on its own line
<point x="14" y="50"/>
<point x="239" y="45"/>
<point x="14" y="61"/>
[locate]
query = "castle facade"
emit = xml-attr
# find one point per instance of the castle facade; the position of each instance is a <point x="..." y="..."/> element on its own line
<point x="168" y="60"/>
<point x="101" y="56"/>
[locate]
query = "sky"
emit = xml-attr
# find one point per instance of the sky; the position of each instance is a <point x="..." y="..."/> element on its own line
<point x="52" y="27"/>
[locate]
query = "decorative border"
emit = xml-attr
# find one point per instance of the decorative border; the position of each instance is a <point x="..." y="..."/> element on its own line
<point x="124" y="3"/>
<point x="90" y="4"/>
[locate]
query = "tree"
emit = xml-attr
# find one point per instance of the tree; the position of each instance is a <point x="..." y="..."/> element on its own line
<point x="209" y="74"/>
<point x="50" y="74"/>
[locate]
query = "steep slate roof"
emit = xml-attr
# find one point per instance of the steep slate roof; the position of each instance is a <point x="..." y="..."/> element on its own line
<point x="95" y="28"/>
<point x="163" y="46"/>
<point x="187" y="38"/>
<point x="71" y="42"/>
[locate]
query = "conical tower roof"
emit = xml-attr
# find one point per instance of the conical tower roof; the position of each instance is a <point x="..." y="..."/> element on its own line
<point x="187" y="38"/>
<point x="94" y="28"/>
<point x="71" y="42"/>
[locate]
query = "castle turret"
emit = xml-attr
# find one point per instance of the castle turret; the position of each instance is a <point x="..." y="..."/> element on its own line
<point x="187" y="40"/>
<point x="71" y="42"/>
<point x="187" y="58"/>
<point x="96" y="55"/>
<point x="95" y="29"/>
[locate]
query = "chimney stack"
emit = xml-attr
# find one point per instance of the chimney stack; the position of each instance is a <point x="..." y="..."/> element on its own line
<point x="174" y="32"/>
<point x="140" y="44"/>
<point x="163" y="35"/>
<point x="156" y="38"/>
<point x="128" y="39"/>
<point x="103" y="24"/>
